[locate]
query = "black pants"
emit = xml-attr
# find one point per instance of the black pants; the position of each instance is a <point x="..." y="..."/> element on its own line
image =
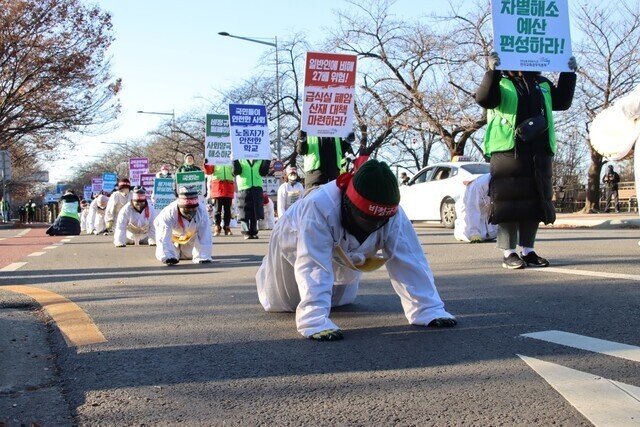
<point x="223" y="203"/>
<point x="608" y="192"/>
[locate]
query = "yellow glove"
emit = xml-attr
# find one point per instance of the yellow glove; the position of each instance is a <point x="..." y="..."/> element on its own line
<point x="109" y="225"/>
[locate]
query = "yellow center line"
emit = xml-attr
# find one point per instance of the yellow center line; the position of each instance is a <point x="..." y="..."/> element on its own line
<point x="76" y="326"/>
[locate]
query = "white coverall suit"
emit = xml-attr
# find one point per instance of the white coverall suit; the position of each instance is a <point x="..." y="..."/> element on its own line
<point x="178" y="238"/>
<point x="472" y="212"/>
<point x="134" y="227"/>
<point x="304" y="272"/>
<point x="95" y="218"/>
<point x="117" y="200"/>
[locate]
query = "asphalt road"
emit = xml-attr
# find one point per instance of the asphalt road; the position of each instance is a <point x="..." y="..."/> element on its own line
<point x="191" y="344"/>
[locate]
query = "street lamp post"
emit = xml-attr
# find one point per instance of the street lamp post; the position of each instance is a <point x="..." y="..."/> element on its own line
<point x="172" y="114"/>
<point x="274" y="45"/>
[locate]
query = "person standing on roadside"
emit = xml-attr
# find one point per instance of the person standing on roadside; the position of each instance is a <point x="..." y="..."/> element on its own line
<point x="289" y="192"/>
<point x="520" y="142"/>
<point x="324" y="157"/>
<point x="610" y="181"/>
<point x="222" y="188"/>
<point x="249" y="175"/>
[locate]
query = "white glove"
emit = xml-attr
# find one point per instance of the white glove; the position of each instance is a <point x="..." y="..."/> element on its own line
<point x="357" y="259"/>
<point x="573" y="64"/>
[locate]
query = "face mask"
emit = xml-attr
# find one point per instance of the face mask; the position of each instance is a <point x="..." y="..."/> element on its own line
<point x="293" y="177"/>
<point x="188" y="212"/>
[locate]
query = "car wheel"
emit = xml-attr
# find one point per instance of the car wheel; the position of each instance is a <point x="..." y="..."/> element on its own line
<point x="448" y="213"/>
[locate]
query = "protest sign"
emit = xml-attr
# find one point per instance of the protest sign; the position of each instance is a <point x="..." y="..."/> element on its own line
<point x="163" y="193"/>
<point x="109" y="181"/>
<point x="532" y="35"/>
<point x="249" y="132"/>
<point x="96" y="184"/>
<point x="217" y="140"/>
<point x="328" y="100"/>
<point x="137" y="166"/>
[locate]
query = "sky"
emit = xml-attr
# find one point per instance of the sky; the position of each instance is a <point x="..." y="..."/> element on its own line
<point x="171" y="58"/>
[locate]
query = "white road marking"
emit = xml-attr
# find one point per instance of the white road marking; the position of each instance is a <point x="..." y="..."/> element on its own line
<point x="602" y="401"/>
<point x="65" y="240"/>
<point x="37" y="254"/>
<point x="13" y="266"/>
<point x="57" y="244"/>
<point x="610" y="348"/>
<point x="50" y="247"/>
<point x="23" y="232"/>
<point x="589" y="273"/>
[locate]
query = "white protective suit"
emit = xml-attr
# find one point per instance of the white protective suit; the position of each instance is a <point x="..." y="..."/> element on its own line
<point x="176" y="237"/>
<point x="288" y="194"/>
<point x="269" y="220"/>
<point x="472" y="212"/>
<point x="630" y="106"/>
<point x="84" y="214"/>
<point x="133" y="227"/>
<point x="305" y="269"/>
<point x="117" y="200"/>
<point x="95" y="218"/>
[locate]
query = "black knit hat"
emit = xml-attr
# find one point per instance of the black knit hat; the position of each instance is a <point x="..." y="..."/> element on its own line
<point x="139" y="193"/>
<point x="376" y="189"/>
<point x="187" y="196"/>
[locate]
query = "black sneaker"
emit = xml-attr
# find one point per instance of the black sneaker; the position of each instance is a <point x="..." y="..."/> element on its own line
<point x="533" y="260"/>
<point x="512" y="262"/>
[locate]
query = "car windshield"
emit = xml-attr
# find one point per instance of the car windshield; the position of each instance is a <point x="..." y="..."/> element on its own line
<point x="477" y="169"/>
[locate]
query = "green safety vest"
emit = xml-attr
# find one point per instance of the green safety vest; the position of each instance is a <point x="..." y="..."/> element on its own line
<point x="69" y="209"/>
<point x="312" y="158"/>
<point x="501" y="121"/>
<point x="250" y="176"/>
<point x="222" y="173"/>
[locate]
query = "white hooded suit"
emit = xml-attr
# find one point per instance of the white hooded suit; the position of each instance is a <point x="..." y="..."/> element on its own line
<point x="117" y="201"/>
<point x="95" y="218"/>
<point x="472" y="212"/>
<point x="134" y="227"/>
<point x="178" y="238"/>
<point x="304" y="272"/>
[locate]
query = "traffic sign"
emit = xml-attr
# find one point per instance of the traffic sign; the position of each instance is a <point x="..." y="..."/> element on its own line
<point x="278" y="165"/>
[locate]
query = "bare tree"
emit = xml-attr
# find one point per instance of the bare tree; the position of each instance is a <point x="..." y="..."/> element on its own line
<point x="610" y="69"/>
<point x="54" y="72"/>
<point x="421" y="67"/>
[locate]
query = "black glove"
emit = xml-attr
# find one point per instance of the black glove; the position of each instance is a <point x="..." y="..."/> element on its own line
<point x="493" y="60"/>
<point x="573" y="64"/>
<point x="121" y="245"/>
<point x="328" y="335"/>
<point x="171" y="261"/>
<point x="351" y="137"/>
<point x="303" y="135"/>
<point x="443" y="322"/>
<point x="204" y="261"/>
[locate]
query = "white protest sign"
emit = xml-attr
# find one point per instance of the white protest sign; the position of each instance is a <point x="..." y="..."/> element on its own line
<point x="249" y="132"/>
<point x="217" y="141"/>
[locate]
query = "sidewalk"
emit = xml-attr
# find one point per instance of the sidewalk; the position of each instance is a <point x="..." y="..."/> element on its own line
<point x="599" y="220"/>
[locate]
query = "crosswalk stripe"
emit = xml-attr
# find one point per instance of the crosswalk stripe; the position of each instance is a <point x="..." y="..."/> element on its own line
<point x="610" y="348"/>
<point x="13" y="266"/>
<point x="602" y="401"/>
<point x="634" y="277"/>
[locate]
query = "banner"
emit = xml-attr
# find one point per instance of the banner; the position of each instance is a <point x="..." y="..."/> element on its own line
<point x="96" y="184"/>
<point x="217" y="141"/>
<point x="532" y="36"/>
<point x="249" y="132"/>
<point x="137" y="166"/>
<point x="147" y="180"/>
<point x="109" y="181"/>
<point x="329" y="89"/>
<point x="163" y="193"/>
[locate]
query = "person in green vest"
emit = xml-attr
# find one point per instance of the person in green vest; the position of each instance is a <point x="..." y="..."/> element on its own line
<point x="324" y="157"/>
<point x="249" y="175"/>
<point x="222" y="189"/>
<point x="189" y="164"/>
<point x="520" y="141"/>
<point x="68" y="221"/>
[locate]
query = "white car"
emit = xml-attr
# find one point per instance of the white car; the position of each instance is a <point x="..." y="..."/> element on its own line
<point x="431" y="194"/>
